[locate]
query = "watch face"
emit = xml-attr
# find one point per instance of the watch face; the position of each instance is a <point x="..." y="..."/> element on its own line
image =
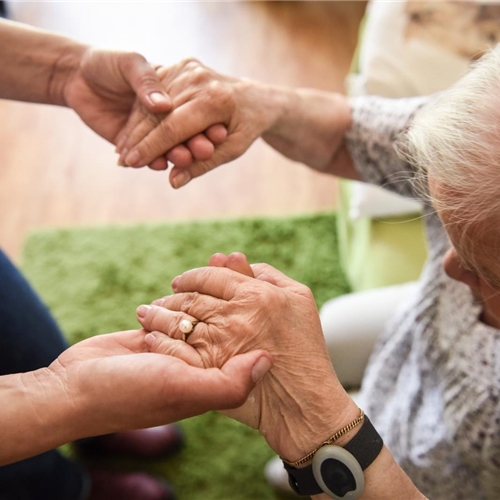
<point x="338" y="473"/>
<point x="337" y="477"/>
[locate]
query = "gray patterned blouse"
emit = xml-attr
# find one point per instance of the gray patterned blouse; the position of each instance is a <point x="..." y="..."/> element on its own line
<point x="432" y="386"/>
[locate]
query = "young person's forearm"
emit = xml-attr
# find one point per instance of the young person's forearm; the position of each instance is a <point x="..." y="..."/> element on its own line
<point x="36" y="415"/>
<point x="35" y="63"/>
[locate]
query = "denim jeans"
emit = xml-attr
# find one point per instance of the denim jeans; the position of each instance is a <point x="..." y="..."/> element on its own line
<point x="30" y="339"/>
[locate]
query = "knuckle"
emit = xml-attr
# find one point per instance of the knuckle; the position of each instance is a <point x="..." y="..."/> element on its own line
<point x="190" y="63"/>
<point x="168" y="132"/>
<point x="277" y="300"/>
<point x="250" y="294"/>
<point x="130" y="59"/>
<point x="202" y="276"/>
<point x="151" y="319"/>
<point x="306" y="292"/>
<point x="151" y="120"/>
<point x="223" y="92"/>
<point x="222" y="311"/>
<point x="199" y="168"/>
<point x="162" y="71"/>
<point x="136" y="57"/>
<point x="217" y="88"/>
<point x="270" y="295"/>
<point x="200" y="74"/>
<point x="215" y="91"/>
<point x="147" y="80"/>
<point x="159" y="346"/>
<point x="189" y="299"/>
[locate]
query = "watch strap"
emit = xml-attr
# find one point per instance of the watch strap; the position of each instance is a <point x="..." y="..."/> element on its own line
<point x="365" y="447"/>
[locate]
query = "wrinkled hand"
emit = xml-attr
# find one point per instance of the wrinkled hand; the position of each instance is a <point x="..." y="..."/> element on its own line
<point x="121" y="385"/>
<point x="104" y="88"/>
<point x="239" y="313"/>
<point x="202" y="99"/>
<point x="238" y="262"/>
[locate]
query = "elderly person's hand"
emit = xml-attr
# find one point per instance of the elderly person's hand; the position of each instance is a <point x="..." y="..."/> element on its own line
<point x="299" y="403"/>
<point x="305" y="125"/>
<point x="239" y="313"/>
<point x="106" y="86"/>
<point x="110" y="383"/>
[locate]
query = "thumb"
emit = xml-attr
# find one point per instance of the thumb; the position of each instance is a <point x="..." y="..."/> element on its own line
<point x="141" y="76"/>
<point x="238" y="378"/>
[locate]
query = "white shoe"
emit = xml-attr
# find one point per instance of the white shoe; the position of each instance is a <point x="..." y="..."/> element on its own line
<point x="277" y="477"/>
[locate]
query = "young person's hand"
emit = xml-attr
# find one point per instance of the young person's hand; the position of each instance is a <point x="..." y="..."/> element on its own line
<point x="110" y="383"/>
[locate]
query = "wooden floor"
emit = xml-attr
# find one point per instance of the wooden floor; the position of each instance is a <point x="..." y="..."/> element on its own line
<point x="55" y="172"/>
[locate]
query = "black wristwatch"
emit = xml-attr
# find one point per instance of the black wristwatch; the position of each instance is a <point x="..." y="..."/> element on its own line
<point x="338" y="471"/>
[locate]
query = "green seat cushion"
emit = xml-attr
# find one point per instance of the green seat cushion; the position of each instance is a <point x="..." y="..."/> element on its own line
<point x="379" y="252"/>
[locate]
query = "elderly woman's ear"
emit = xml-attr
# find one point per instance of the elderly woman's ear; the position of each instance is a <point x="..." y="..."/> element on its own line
<point x="456" y="270"/>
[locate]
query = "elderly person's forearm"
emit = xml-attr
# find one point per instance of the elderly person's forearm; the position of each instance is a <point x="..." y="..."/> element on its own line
<point x="310" y="128"/>
<point x="323" y="130"/>
<point x="293" y="428"/>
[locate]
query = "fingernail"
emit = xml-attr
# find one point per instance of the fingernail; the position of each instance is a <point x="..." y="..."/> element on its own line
<point x="175" y="283"/>
<point x="121" y="143"/>
<point x="181" y="179"/>
<point x="121" y="160"/>
<point x="158" y="302"/>
<point x="157" y="98"/>
<point x="149" y="339"/>
<point x="260" y="368"/>
<point x="142" y="311"/>
<point x="121" y="163"/>
<point x="132" y="158"/>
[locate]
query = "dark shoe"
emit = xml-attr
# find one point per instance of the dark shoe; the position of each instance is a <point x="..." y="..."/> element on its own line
<point x="146" y="444"/>
<point x="111" y="485"/>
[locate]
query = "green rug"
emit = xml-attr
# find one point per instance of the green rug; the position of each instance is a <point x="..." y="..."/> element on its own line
<point x="93" y="280"/>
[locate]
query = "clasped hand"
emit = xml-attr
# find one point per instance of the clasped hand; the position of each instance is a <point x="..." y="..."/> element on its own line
<point x="238" y="313"/>
<point x="110" y="90"/>
<point x="118" y="384"/>
<point x="231" y="112"/>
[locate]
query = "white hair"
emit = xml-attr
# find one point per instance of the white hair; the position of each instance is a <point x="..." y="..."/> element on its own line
<point x="455" y="142"/>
